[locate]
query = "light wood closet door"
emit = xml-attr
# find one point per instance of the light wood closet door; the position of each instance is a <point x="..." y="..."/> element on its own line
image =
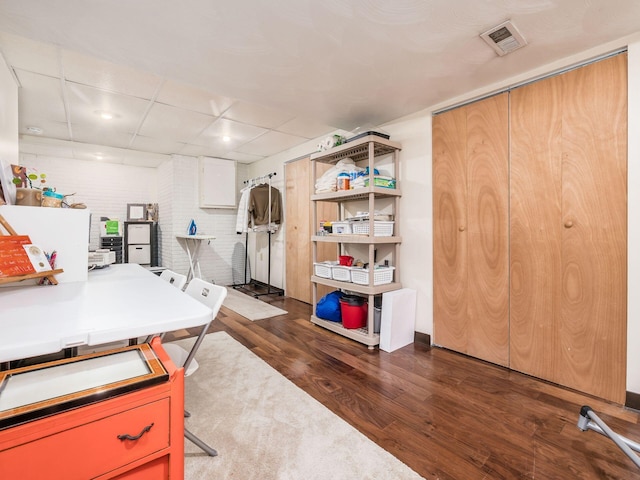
<point x="298" y="230"/>
<point x="299" y="266"/>
<point x="470" y="177"/>
<point x="568" y="310"/>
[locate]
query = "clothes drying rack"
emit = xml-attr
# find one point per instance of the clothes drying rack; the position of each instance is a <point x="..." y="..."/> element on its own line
<point x="588" y="420"/>
<point x="271" y="290"/>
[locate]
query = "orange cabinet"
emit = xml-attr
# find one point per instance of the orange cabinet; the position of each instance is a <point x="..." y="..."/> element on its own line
<point x="133" y="435"/>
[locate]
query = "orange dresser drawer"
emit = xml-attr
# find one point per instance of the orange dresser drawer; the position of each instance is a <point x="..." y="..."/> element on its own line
<point x="90" y="449"/>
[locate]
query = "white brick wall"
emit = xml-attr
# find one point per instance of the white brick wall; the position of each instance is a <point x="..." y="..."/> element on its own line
<point x="107" y="188"/>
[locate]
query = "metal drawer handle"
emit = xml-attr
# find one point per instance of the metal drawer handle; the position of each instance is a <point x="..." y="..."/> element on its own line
<point x="126" y="436"/>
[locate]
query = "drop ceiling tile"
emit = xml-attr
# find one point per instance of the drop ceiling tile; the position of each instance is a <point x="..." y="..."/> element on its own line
<point x="50" y="129"/>
<point x="255" y="114"/>
<point x="39" y="97"/>
<point x="162" y="145"/>
<point x="237" y="132"/>
<point x="305" y="128"/>
<point x="271" y="143"/>
<point x="105" y="135"/>
<point x="166" y="122"/>
<point x="192" y="98"/>
<point x="25" y="54"/>
<point x="87" y="153"/>
<point x="243" y="157"/>
<point x="85" y="101"/>
<point x="86" y="70"/>
<point x="203" y="151"/>
<point x="42" y="146"/>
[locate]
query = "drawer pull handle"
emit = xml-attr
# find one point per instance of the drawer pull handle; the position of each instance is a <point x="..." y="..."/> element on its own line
<point x="126" y="436"/>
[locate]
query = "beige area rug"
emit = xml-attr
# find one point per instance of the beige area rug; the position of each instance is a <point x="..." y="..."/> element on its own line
<point x="250" y="307"/>
<point x="266" y="428"/>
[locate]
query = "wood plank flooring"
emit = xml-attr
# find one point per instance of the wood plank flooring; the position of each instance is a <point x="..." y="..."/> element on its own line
<point x="445" y="415"/>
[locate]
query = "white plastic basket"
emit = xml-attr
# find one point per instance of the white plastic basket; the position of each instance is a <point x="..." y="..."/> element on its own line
<point x="341" y="227"/>
<point x="381" y="275"/>
<point x="380" y="228"/>
<point x="323" y="269"/>
<point x="341" y="273"/>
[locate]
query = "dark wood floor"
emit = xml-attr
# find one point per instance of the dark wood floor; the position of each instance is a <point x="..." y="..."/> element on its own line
<point x="445" y="415"/>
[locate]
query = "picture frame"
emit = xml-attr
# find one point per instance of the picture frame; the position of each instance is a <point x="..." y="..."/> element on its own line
<point x="136" y="212"/>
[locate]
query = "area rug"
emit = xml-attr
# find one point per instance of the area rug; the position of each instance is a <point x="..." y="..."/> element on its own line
<point x="250" y="307"/>
<point x="266" y="428"/>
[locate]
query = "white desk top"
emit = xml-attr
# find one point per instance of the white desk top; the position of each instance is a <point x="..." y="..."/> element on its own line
<point x="116" y="303"/>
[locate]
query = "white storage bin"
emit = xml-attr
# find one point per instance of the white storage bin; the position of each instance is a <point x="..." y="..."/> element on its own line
<point x="340" y="227"/>
<point x="323" y="269"/>
<point x="341" y="273"/>
<point x="381" y="275"/>
<point x="380" y="228"/>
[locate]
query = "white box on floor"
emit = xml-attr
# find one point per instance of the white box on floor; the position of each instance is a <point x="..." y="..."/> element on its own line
<point x="398" y="320"/>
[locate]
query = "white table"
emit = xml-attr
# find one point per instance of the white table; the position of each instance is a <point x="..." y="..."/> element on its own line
<point x="192" y="243"/>
<point x="116" y="303"/>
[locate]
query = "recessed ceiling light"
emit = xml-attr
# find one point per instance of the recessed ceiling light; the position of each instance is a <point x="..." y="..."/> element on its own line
<point x="99" y="156"/>
<point x="104" y="114"/>
<point x="34" y="130"/>
<point x="226" y="138"/>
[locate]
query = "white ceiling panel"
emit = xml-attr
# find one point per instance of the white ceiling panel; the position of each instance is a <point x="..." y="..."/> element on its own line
<point x="271" y="143"/>
<point x="85" y="102"/>
<point x="174" y="123"/>
<point x="156" y="145"/>
<point x="101" y="134"/>
<point x="30" y="55"/>
<point x="257" y="115"/>
<point x="243" y="157"/>
<point x="305" y="128"/>
<point x="191" y="98"/>
<point x="202" y="151"/>
<point x="40" y="97"/>
<point x="236" y="131"/>
<point x="87" y="70"/>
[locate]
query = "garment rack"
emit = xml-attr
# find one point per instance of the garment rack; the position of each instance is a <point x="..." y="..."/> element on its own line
<point x="271" y="290"/>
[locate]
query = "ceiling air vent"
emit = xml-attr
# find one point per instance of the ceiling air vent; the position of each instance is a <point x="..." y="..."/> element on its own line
<point x="505" y="38"/>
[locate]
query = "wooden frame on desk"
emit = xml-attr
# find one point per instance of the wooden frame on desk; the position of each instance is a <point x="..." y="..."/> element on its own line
<point x="156" y="373"/>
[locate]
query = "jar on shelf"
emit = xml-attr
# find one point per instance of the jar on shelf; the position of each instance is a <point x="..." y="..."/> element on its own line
<point x="343" y="181"/>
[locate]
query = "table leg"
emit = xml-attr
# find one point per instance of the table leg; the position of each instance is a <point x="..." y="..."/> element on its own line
<point x="191" y="273"/>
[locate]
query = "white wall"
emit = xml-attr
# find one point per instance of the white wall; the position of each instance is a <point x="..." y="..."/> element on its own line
<point x="633" y="213"/>
<point x="8" y="122"/>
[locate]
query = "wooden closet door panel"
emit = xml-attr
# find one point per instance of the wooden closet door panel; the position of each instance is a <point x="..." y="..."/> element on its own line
<point x="488" y="229"/>
<point x="298" y="230"/>
<point x="593" y="321"/>
<point x="535" y="229"/>
<point x="449" y="142"/>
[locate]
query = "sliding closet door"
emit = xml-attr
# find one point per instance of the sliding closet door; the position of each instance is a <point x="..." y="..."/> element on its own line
<point x="299" y="228"/>
<point x="568" y="227"/>
<point x="594" y="217"/>
<point x="449" y="151"/>
<point x="536" y="231"/>
<point x="470" y="177"/>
